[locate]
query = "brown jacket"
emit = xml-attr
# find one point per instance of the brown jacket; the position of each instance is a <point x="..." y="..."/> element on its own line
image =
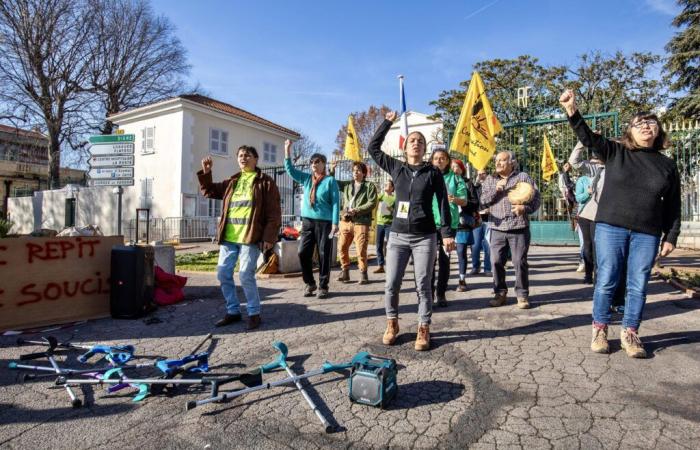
<point x="266" y="209"/>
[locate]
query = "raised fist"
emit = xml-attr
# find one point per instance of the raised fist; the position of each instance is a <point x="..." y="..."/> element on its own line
<point x="287" y="148"/>
<point x="391" y="115"/>
<point x="207" y="164"/>
<point x="568" y="101"/>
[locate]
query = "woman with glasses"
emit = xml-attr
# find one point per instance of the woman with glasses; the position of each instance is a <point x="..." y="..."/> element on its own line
<point x="639" y="207"/>
<point x="320" y="211"/>
<point x="413" y="231"/>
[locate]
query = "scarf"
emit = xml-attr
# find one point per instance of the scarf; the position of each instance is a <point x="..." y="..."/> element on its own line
<point x="316" y="181"/>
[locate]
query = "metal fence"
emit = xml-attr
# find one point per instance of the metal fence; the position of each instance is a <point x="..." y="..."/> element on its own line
<point x="685" y="150"/>
<point x="181" y="229"/>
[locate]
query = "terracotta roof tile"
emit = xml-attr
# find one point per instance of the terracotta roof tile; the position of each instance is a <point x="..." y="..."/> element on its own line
<point x="238" y="112"/>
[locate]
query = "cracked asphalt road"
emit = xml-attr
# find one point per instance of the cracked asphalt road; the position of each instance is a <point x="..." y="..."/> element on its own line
<point x="495" y="378"/>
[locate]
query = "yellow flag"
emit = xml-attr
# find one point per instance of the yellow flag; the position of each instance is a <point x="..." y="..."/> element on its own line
<point x="352" y="145"/>
<point x="549" y="165"/>
<point x="477" y="126"/>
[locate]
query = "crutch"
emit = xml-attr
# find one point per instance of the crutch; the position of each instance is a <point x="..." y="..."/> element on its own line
<point x="282" y="360"/>
<point x="326" y="367"/>
<point x="117" y="354"/>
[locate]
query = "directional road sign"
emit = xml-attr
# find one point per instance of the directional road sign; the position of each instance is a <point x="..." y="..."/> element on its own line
<point x="111" y="161"/>
<point x="111" y="172"/>
<point x="112" y="182"/>
<point x="109" y="138"/>
<point x="114" y="148"/>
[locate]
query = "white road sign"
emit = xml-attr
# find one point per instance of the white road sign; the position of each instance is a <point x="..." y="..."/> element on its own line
<point x="112" y="149"/>
<point x="112" y="182"/>
<point x="109" y="161"/>
<point x="111" y="172"/>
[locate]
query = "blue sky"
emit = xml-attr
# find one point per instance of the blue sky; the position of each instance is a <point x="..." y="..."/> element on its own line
<point x="308" y="64"/>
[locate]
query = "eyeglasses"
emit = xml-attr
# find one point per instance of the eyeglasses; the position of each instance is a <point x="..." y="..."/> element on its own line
<point x="651" y="123"/>
<point x="317" y="161"/>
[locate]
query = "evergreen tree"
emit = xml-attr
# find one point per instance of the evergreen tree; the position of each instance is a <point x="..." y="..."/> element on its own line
<point x="683" y="64"/>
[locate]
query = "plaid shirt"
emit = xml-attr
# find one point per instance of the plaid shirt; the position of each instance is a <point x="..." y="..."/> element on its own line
<point x="501" y="216"/>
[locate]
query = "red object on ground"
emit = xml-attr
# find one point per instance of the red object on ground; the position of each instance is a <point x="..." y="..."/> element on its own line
<point x="168" y="289"/>
<point x="290" y="233"/>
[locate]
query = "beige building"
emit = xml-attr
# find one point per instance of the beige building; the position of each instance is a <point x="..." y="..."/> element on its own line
<point x="24" y="165"/>
<point x="173" y="136"/>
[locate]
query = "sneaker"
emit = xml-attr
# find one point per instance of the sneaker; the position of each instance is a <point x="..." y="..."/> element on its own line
<point x="599" y="343"/>
<point x="588" y="279"/>
<point x="253" y="322"/>
<point x="228" y="320"/>
<point x="581" y="267"/>
<point x="379" y="269"/>
<point x="499" y="299"/>
<point x="488" y="274"/>
<point x="630" y="342"/>
<point x="392" y="331"/>
<point x="523" y="303"/>
<point x="309" y="290"/>
<point x="474" y="272"/>
<point x="322" y="293"/>
<point x="462" y="286"/>
<point x="422" y="337"/>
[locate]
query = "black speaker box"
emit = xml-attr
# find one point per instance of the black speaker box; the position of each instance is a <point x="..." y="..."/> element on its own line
<point x="131" y="281"/>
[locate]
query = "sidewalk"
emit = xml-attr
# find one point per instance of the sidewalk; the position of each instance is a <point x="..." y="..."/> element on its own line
<point x="494" y="378"/>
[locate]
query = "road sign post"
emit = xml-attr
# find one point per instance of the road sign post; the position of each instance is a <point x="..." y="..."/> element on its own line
<point x="111" y="164"/>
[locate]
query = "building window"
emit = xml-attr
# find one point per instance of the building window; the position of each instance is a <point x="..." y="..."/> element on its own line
<point x="214" y="207"/>
<point x="148" y="140"/>
<point x="269" y="152"/>
<point x="22" y="191"/>
<point x="218" y="141"/>
<point x="146" y="193"/>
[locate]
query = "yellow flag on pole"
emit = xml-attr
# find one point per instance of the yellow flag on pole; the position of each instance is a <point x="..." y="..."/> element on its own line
<point x="549" y="165"/>
<point x="477" y="126"/>
<point x="352" y="145"/>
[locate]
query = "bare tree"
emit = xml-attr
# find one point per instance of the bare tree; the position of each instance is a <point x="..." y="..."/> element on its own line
<point x="137" y="59"/>
<point x="366" y="123"/>
<point x="44" y="63"/>
<point x="304" y="148"/>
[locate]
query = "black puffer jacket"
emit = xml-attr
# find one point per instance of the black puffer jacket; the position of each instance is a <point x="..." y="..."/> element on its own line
<point x="416" y="187"/>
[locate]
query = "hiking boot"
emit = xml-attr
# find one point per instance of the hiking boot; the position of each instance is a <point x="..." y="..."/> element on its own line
<point x="322" y="293"/>
<point x="379" y="269"/>
<point x="253" y="322"/>
<point x="344" y="276"/>
<point x="423" y="337"/>
<point x="392" y="331"/>
<point x="499" y="299"/>
<point x="363" y="278"/>
<point x="309" y="290"/>
<point x="228" y="320"/>
<point x="629" y="340"/>
<point x="599" y="343"/>
<point x="440" y="300"/>
<point x="523" y="303"/>
<point x="462" y="286"/>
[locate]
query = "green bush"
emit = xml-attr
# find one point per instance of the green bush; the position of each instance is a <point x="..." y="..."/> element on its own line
<point x="5" y="226"/>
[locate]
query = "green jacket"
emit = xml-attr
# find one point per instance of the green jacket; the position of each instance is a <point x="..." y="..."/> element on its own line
<point x="455" y="186"/>
<point x="365" y="200"/>
<point x="389" y="201"/>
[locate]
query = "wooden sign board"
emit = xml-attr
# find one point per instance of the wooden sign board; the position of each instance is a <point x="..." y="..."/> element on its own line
<point x="47" y="281"/>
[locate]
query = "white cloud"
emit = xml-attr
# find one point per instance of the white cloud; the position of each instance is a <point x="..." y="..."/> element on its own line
<point x="668" y="7"/>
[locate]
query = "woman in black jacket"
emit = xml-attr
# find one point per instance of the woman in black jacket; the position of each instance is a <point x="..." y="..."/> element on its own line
<point x="639" y="206"/>
<point x="413" y="231"/>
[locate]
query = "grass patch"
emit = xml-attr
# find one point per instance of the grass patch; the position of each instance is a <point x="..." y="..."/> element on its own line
<point x="690" y="279"/>
<point x="199" y="262"/>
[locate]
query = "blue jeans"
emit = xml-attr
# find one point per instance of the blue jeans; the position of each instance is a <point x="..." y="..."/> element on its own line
<point x="229" y="253"/>
<point x="382" y="237"/>
<point x="612" y="245"/>
<point x="481" y="243"/>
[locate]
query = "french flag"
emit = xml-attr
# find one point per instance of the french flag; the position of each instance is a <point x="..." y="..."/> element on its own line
<point x="404" y="122"/>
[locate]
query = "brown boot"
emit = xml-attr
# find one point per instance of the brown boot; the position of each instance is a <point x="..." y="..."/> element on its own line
<point x="423" y="337"/>
<point x="379" y="269"/>
<point x="363" y="278"/>
<point x="499" y="299"/>
<point x="392" y="331"/>
<point x="344" y="275"/>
